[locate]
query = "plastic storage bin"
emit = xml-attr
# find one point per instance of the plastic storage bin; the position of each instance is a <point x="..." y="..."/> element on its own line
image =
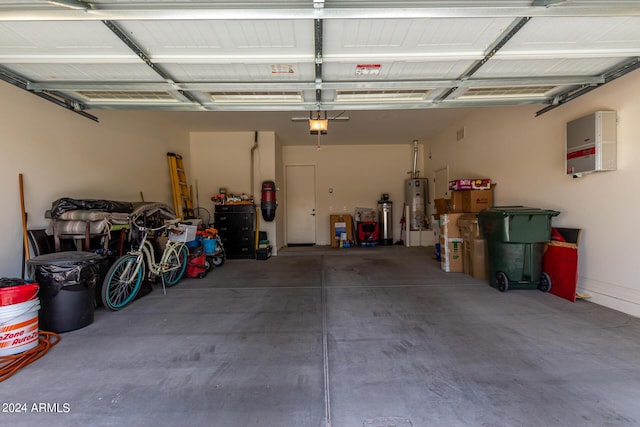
<point x="515" y="242"/>
<point x="188" y="233"/>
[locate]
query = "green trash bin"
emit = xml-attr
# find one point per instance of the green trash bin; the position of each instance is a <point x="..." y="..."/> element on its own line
<point x="515" y="243"/>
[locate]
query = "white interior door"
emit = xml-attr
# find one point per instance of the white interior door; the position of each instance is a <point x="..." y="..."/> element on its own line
<point x="301" y="204"/>
<point x="441" y="183"/>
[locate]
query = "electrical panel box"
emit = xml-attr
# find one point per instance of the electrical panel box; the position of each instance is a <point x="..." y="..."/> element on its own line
<point x="591" y="143"/>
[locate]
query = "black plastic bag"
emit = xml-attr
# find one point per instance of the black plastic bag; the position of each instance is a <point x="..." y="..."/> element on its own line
<point x="66" y="204"/>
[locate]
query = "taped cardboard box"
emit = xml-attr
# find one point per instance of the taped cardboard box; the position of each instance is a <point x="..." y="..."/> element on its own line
<point x="474" y="248"/>
<point x="442" y="206"/>
<point x="449" y="225"/>
<point x="456" y="202"/>
<point x="452" y="205"/>
<point x="477" y="255"/>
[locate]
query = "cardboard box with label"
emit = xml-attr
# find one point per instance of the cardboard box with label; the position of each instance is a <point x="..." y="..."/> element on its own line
<point x="476" y="200"/>
<point x="470" y="184"/>
<point x="341" y="229"/>
<point x="451" y="257"/>
<point x="451" y="243"/>
<point x="465" y="201"/>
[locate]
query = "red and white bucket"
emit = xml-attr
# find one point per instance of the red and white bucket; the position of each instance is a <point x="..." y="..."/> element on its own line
<point x="18" y="319"/>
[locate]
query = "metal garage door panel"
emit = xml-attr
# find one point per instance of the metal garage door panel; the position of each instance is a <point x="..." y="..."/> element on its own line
<point x="59" y="41"/>
<point x="501" y="68"/>
<point x="120" y="72"/>
<point x="224" y="39"/>
<point x="400" y="70"/>
<point x="241" y="72"/>
<point x="576" y="37"/>
<point x="411" y="38"/>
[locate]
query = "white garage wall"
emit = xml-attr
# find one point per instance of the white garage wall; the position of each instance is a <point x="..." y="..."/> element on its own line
<point x="358" y="174"/>
<point x="62" y="154"/>
<point x="223" y="159"/>
<point x="524" y="155"/>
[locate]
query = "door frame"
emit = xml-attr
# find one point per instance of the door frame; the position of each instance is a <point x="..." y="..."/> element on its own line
<point x="286" y="201"/>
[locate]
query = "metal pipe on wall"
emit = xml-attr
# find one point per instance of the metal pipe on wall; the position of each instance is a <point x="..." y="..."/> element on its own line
<point x="414" y="172"/>
<point x="251" y="175"/>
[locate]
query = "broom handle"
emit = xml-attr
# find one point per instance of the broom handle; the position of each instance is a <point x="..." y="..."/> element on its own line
<point x="24" y="220"/>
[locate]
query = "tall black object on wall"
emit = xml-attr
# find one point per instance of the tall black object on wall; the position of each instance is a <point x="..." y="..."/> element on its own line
<point x="236" y="225"/>
<point x="268" y="203"/>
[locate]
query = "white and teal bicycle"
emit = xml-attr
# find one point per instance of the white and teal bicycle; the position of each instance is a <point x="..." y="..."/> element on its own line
<point x="124" y="278"/>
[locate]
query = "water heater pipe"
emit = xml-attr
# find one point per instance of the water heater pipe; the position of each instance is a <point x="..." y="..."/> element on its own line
<point x="252" y="166"/>
<point x="414" y="173"/>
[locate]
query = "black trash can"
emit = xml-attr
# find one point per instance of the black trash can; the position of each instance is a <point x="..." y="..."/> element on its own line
<point x="67" y="287"/>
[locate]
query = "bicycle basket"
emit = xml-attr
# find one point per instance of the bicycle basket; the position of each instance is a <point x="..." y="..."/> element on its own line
<point x="188" y="233"/>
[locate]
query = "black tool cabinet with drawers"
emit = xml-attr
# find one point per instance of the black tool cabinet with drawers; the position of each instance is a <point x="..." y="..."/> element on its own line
<point x="236" y="225"/>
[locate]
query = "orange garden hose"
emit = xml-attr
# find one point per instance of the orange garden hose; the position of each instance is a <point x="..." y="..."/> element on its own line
<point x="9" y="365"/>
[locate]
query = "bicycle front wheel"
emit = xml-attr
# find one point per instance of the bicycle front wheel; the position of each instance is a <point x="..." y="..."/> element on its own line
<point x="175" y="265"/>
<point x="122" y="282"/>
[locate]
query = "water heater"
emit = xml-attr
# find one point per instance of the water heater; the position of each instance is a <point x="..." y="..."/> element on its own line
<point x="416" y="197"/>
<point x="385" y="221"/>
<point x="591" y="143"/>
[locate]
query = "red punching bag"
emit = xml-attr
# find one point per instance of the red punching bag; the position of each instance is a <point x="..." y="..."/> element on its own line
<point x="268" y="203"/>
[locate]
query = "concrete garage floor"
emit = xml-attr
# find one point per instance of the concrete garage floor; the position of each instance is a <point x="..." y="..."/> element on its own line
<point x="339" y="337"/>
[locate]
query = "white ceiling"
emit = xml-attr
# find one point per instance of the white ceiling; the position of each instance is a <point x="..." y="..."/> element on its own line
<point x="418" y="62"/>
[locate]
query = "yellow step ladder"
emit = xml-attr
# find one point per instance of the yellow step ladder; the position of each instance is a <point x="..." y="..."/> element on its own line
<point x="181" y="195"/>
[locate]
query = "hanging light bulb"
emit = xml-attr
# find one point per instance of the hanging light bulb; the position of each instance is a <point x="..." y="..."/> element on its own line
<point x="318" y="125"/>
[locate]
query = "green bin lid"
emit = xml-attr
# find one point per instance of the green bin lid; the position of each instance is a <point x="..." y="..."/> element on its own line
<point x="516" y="210"/>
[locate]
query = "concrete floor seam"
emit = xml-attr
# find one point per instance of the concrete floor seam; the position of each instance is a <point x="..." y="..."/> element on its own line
<point x="261" y="288"/>
<point x="325" y="346"/>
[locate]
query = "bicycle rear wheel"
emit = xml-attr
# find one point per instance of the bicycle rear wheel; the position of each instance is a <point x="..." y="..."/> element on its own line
<point x="122" y="282"/>
<point x="176" y="264"/>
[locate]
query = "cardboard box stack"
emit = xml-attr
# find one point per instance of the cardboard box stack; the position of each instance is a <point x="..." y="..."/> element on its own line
<point x="474" y="246"/>
<point x="451" y="254"/>
<point x="468" y="196"/>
